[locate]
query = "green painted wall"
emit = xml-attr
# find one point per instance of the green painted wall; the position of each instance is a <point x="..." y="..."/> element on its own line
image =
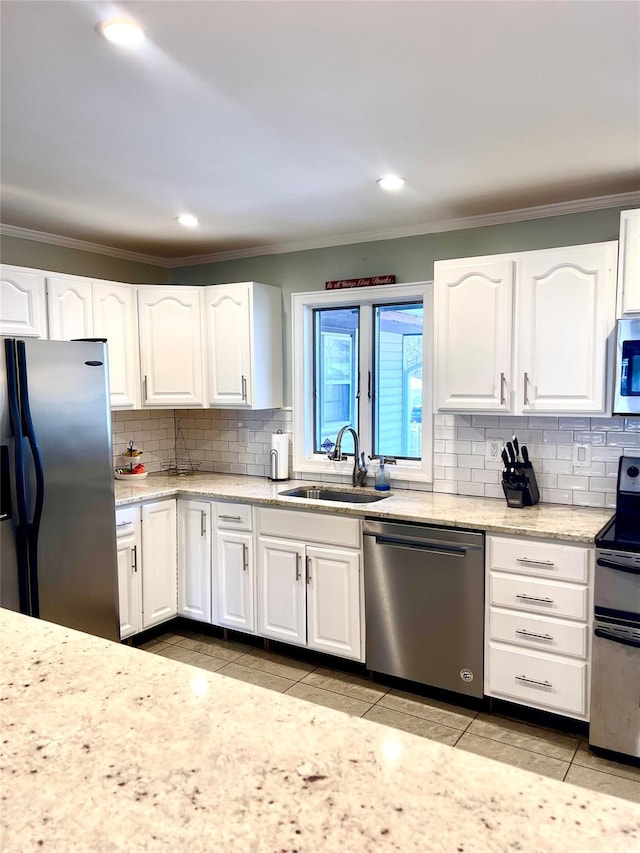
<point x="44" y="256"/>
<point x="409" y="258"/>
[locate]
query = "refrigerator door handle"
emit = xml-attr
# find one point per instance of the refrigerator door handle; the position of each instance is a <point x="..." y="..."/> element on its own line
<point x="33" y="529"/>
<point x="22" y="551"/>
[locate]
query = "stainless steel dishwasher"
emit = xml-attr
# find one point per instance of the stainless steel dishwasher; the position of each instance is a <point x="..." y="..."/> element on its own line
<point x="424" y="604"/>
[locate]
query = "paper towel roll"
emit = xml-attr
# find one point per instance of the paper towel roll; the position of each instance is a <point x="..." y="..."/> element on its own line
<point x="279" y="457"/>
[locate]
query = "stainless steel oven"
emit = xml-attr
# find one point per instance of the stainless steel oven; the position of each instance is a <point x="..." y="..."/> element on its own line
<point x="626" y="398"/>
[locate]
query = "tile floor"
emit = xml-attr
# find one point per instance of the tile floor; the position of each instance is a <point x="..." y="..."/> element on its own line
<point x="541" y="750"/>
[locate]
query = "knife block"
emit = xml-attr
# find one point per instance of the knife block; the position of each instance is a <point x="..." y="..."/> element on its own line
<point x="521" y="489"/>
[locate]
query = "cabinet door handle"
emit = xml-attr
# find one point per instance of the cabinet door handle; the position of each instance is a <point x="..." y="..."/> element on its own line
<point x="525" y="597"/>
<point x="245" y="557"/>
<point x="548" y="563"/>
<point x="297" y="567"/>
<point x="526" y="395"/>
<point x="122" y="523"/>
<point x="134" y="554"/>
<point x="244" y="388"/>
<point x="502" y="397"/>
<point x="526" y="633"/>
<point x="144" y="389"/>
<point x="203" y="523"/>
<point x="230" y="517"/>
<point x="308" y="569"/>
<point x="526" y="680"/>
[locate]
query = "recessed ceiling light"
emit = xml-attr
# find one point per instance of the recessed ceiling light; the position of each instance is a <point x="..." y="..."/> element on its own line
<point x="391" y="182"/>
<point x="123" y="32"/>
<point x="187" y="220"/>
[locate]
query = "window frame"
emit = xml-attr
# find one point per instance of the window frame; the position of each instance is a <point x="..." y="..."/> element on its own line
<point x="305" y="460"/>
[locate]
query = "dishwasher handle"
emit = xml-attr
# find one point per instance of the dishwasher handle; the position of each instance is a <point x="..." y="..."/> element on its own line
<point x="419" y="544"/>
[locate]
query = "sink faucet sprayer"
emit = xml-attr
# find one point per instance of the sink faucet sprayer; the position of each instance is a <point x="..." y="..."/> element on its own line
<point x="359" y="466"/>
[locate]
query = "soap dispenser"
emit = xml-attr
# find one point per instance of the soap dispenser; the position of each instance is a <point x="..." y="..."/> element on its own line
<point x="382" y="478"/>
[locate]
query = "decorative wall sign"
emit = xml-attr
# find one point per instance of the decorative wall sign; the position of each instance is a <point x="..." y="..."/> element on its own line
<point x="342" y="283"/>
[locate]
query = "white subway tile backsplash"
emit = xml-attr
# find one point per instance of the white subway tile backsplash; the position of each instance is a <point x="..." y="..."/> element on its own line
<point x="557" y="466"/>
<point x="552" y="436"/>
<point x="458" y="447"/>
<point x="607" y="425"/>
<point x="578" y="484"/>
<point x="632" y="424"/>
<point x="471" y="489"/>
<point x="468" y="460"/>
<point x="588" y="498"/>
<point x="623" y="439"/>
<point x="574" y="423"/>
<point x="470" y="433"/>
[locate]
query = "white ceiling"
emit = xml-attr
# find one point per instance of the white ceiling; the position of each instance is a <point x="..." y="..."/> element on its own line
<point x="271" y="120"/>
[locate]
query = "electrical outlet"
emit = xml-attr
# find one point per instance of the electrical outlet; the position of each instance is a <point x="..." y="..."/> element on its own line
<point x="492" y="451"/>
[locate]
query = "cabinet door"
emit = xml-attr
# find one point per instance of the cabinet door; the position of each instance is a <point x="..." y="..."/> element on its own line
<point x="281" y="591"/>
<point x="229" y="345"/>
<point x="565" y="309"/>
<point x="114" y="318"/>
<point x="170" y="346"/>
<point x="473" y="299"/>
<point x="235" y="581"/>
<point x="22" y="302"/>
<point x="69" y="306"/>
<point x="159" y="563"/>
<point x="333" y="602"/>
<point x="128" y="586"/>
<point x="129" y="570"/>
<point x="194" y="560"/>
<point x="629" y="261"/>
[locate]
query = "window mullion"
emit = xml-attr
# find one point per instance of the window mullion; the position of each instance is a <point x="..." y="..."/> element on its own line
<point x="365" y="413"/>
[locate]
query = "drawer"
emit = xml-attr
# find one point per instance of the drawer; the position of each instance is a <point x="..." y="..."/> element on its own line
<point x="310" y="527"/>
<point x="539" y="596"/>
<point x="543" y="559"/>
<point x="126" y="520"/>
<point x="539" y="633"/>
<point x="538" y="680"/>
<point x="233" y="516"/>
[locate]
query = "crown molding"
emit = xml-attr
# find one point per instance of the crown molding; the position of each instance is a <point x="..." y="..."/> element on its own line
<point x="82" y="245"/>
<point x="460" y="224"/>
<point x="481" y="220"/>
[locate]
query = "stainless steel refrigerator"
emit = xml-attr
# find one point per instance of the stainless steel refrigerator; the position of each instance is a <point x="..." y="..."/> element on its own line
<point x="57" y="528"/>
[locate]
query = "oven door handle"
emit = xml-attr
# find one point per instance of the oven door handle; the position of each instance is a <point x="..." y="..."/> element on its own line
<point x="605" y="635"/>
<point x="608" y="564"/>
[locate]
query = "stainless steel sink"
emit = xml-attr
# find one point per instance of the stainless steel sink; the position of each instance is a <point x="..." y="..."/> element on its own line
<point x="319" y="493"/>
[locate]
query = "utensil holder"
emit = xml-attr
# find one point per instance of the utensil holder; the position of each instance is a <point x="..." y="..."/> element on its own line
<point x="521" y="487"/>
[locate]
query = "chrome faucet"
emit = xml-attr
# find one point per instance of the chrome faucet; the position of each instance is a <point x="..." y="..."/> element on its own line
<point x="359" y="467"/>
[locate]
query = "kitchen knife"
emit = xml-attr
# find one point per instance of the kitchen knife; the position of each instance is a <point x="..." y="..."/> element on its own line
<point x="505" y="459"/>
<point x="525" y="454"/>
<point x="516" y="447"/>
<point x="512" y="455"/>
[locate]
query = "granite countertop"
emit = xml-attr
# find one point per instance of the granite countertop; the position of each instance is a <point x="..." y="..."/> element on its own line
<point x="553" y="521"/>
<point x="107" y="747"/>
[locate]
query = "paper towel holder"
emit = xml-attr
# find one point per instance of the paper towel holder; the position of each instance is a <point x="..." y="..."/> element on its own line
<point x="274" y="465"/>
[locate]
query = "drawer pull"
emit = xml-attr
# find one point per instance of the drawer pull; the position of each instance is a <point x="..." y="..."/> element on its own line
<point x="230" y="517"/>
<point x="524" y="597"/>
<point x="525" y="633"/>
<point x="548" y="563"/>
<point x="533" y="681"/>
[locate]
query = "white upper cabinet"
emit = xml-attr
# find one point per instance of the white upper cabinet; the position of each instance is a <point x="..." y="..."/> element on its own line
<point x="244" y="345"/>
<point x="115" y="318"/>
<point x="526" y="332"/>
<point x="69" y="304"/>
<point x="629" y="263"/>
<point x="83" y="308"/>
<point x="473" y="299"/>
<point x="565" y="311"/>
<point x="22" y="302"/>
<point x="171" y="346"/>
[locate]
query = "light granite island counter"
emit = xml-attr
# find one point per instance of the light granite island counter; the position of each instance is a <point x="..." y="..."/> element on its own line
<point x="552" y="521"/>
<point x="108" y="748"/>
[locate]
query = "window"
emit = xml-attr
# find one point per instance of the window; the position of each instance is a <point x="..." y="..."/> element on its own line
<point x="360" y="359"/>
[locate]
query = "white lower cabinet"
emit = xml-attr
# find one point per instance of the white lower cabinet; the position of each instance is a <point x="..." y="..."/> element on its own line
<point x="194" y="560"/>
<point x="234" y="568"/>
<point x="308" y="594"/>
<point x="538" y="624"/>
<point x="129" y="575"/>
<point x="159" y="563"/>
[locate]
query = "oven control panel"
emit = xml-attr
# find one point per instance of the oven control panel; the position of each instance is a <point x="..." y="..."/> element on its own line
<point x="629" y="475"/>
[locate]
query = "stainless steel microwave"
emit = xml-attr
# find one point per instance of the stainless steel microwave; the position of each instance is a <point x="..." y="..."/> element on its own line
<point x="626" y="394"/>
